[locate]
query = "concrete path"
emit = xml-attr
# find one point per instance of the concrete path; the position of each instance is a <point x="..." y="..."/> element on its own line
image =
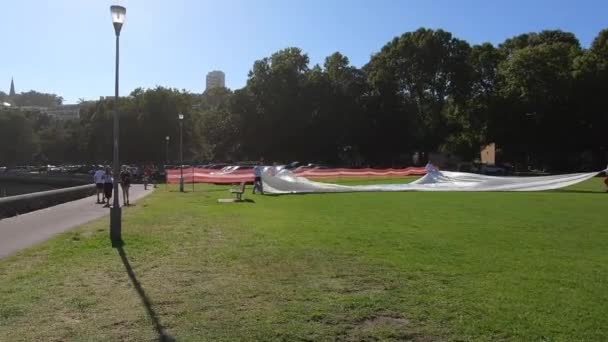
<point x="19" y="232"/>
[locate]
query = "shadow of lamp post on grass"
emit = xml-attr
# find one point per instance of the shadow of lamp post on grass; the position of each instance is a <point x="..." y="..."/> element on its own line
<point x="158" y="327"/>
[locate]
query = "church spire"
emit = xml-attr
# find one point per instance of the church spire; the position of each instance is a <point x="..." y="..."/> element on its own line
<point x="12" y="92"/>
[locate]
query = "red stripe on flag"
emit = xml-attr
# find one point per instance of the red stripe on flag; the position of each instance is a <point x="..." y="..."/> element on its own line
<point x="199" y="175"/>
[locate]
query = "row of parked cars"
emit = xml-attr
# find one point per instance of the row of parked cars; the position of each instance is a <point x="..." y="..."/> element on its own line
<point x="46" y="169"/>
<point x="227" y="168"/>
<point x="84" y="169"/>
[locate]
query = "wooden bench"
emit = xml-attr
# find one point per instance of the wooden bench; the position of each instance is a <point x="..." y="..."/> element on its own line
<point x="239" y="191"/>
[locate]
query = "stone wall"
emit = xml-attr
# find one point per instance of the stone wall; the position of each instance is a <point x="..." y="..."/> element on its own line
<point x="21" y="204"/>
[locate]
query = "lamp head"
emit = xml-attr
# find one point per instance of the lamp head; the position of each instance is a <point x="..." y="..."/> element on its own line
<point x="118" y="17"/>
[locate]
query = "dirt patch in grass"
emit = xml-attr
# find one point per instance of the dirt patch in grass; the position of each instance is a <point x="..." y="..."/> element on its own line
<point x="384" y="319"/>
<point x="385" y="326"/>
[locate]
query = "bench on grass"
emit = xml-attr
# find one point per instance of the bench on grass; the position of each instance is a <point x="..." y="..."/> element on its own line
<point x="239" y="191"/>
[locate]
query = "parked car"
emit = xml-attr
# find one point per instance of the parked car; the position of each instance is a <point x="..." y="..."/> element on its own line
<point x="216" y="166"/>
<point x="495" y="170"/>
<point x="293" y="165"/>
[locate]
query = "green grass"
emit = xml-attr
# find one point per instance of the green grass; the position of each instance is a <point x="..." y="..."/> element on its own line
<point x="361" y="266"/>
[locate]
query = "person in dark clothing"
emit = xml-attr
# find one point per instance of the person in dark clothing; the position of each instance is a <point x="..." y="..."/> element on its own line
<point x="125" y="182"/>
<point x="257" y="183"/>
<point x="147" y="176"/>
<point x="108" y="186"/>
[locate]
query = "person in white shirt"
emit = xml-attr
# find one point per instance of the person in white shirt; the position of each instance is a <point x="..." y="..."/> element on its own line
<point x="98" y="180"/>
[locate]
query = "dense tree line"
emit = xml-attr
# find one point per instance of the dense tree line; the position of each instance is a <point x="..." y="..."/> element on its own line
<point x="538" y="96"/>
<point x="32" y="98"/>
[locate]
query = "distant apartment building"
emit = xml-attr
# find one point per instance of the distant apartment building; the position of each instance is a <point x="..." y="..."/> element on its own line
<point x="216" y="79"/>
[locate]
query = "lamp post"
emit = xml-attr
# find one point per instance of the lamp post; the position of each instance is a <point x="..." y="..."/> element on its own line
<point x="180" y="116"/>
<point x="167" y="138"/>
<point x="118" y="18"/>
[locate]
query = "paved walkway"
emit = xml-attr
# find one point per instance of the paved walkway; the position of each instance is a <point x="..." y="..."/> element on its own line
<point x="19" y="232"/>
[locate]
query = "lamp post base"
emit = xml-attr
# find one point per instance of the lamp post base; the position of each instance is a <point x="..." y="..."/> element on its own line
<point x="115" y="226"/>
<point x="181" y="184"/>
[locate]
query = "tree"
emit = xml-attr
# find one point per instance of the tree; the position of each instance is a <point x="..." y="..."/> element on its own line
<point x="34" y="98"/>
<point x="18" y="140"/>
<point x="471" y="118"/>
<point x="591" y="85"/>
<point x="537" y="83"/>
<point x="412" y="77"/>
<point x="343" y="123"/>
<point x="281" y="116"/>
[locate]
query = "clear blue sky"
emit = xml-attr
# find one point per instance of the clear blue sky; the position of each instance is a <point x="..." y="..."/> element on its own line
<point x="67" y="46"/>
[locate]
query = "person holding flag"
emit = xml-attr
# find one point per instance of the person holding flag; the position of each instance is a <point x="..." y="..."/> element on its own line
<point x="606" y="179"/>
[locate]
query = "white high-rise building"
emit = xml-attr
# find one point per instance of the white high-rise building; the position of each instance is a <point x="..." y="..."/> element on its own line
<point x="216" y="79"/>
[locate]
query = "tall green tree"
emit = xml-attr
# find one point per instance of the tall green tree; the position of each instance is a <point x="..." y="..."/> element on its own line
<point x="413" y="76"/>
<point x="537" y="83"/>
<point x="19" y="142"/>
<point x="280" y="120"/>
<point x="591" y="79"/>
<point x="470" y="118"/>
<point x="34" y="98"/>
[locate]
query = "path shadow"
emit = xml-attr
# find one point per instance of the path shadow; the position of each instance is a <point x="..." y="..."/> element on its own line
<point x="578" y="191"/>
<point x="213" y="190"/>
<point x="160" y="330"/>
<point x="233" y="200"/>
<point x="243" y="200"/>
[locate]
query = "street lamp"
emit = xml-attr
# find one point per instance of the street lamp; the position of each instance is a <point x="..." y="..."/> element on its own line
<point x="118" y="19"/>
<point x="167" y="138"/>
<point x="180" y="116"/>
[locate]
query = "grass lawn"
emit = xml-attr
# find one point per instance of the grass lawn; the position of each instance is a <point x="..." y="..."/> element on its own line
<point x="361" y="266"/>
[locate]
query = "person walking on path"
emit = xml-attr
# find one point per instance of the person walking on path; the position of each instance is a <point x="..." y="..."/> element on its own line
<point x="108" y="186"/>
<point x="147" y="176"/>
<point x="257" y="183"/>
<point x="98" y="179"/>
<point x="125" y="183"/>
